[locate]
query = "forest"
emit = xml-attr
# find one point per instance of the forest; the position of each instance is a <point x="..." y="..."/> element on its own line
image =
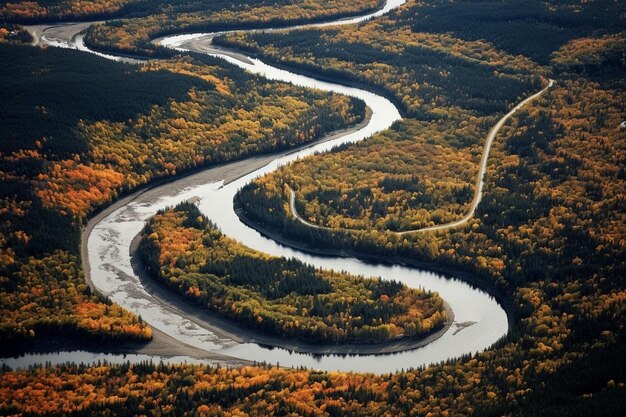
<point x="422" y="171"/>
<point x="10" y="32"/>
<point x="425" y="74"/>
<point x="133" y="35"/>
<point x="547" y="239"/>
<point x="471" y="386"/>
<point x="44" y="10"/>
<point x="549" y="233"/>
<point x="280" y="296"/>
<point x="520" y="27"/>
<point x="449" y="86"/>
<point x="172" y="12"/>
<point x="111" y="133"/>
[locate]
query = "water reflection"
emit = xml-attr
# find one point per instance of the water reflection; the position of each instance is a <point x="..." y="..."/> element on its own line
<point x="84" y="357"/>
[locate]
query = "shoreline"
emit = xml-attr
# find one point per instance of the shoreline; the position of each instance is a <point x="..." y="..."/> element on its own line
<point x="227" y="172"/>
<point x="162" y="343"/>
<point x="165" y="345"/>
<point x="448" y="271"/>
<point x="317" y="73"/>
<point x="240" y="333"/>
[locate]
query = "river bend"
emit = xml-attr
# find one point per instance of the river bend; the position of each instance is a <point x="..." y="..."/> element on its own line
<point x="479" y="320"/>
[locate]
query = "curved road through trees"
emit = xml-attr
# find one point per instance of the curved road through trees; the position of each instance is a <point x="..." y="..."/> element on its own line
<point x="478" y="188"/>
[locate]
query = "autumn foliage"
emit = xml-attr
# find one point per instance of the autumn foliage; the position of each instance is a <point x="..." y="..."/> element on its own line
<point x="49" y="295"/>
<point x="59" y="9"/>
<point x="134" y="34"/>
<point x="80" y="154"/>
<point x="549" y="234"/>
<point x="548" y="237"/>
<point x="283" y="297"/>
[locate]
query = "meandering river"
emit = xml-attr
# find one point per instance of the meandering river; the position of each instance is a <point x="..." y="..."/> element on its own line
<point x="479" y="319"/>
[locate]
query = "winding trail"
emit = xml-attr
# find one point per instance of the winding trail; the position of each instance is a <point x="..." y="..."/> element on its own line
<point x="478" y="188"/>
<point x="107" y="242"/>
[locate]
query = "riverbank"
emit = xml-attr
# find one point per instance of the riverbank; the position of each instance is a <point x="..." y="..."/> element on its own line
<point x="447" y="271"/>
<point x="60" y="32"/>
<point x="385" y="118"/>
<point x="319" y="73"/>
<point x="161" y="343"/>
<point x="117" y="278"/>
<point x="230" y="329"/>
<point x="167" y="347"/>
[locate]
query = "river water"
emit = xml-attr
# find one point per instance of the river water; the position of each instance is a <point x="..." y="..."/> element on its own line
<point x="479" y="319"/>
